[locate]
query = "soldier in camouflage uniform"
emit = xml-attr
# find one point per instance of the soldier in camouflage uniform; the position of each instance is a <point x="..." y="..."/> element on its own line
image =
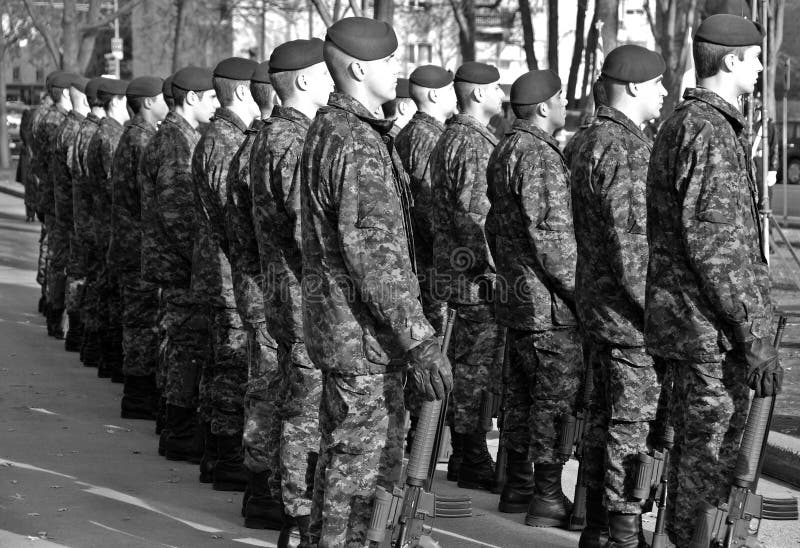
<point x="401" y="109"/>
<point x="169" y="231"/>
<point x="529" y="229"/>
<point x="223" y="381"/>
<point x="83" y="252"/>
<point x="362" y="321"/>
<point x="99" y="160"/>
<point x="707" y="304"/>
<point x="25" y="174"/>
<point x="139" y="298"/>
<point x="464" y="268"/>
<point x="609" y="171"/>
<point x="302" y="83"/>
<point x="44" y="146"/>
<point x="259" y="508"/>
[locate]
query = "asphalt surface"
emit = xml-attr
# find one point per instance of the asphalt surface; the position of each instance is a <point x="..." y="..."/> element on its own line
<point x="73" y="474"/>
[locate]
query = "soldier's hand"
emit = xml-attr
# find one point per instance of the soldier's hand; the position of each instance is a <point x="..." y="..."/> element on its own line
<point x="764" y="371"/>
<point x="430" y="370"/>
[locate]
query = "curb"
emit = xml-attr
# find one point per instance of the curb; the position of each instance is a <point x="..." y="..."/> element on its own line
<point x="10" y="191"/>
<point x="782" y="459"/>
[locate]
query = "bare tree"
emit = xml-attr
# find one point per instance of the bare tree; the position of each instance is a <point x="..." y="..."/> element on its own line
<point x="607" y="11"/>
<point x="464" y="13"/>
<point x="577" y="51"/>
<point x="527" y="34"/>
<point x="672" y="27"/>
<point x="552" y="35"/>
<point x="14" y="27"/>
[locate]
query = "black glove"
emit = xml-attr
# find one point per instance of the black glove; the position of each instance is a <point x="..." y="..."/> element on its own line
<point x="430" y="370"/>
<point x="764" y="372"/>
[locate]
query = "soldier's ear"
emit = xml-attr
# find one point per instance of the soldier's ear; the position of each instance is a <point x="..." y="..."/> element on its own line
<point x="543" y="109"/>
<point x="301" y="82"/>
<point x="478" y="94"/>
<point x="148" y="102"/>
<point x="240" y="92"/>
<point x="433" y="95"/>
<point x="358" y="71"/>
<point x="632" y="89"/>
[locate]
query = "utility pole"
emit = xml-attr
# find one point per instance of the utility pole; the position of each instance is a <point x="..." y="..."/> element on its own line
<point x="116" y="45"/>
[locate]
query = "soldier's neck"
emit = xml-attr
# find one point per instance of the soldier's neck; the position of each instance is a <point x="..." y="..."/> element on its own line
<point x="302" y="104"/>
<point x="477" y="112"/>
<point x="722" y="87"/>
<point x="244" y="111"/>
<point x="629" y="110"/>
<point x="433" y="112"/>
<point x="100" y="112"/>
<point x="187" y="115"/>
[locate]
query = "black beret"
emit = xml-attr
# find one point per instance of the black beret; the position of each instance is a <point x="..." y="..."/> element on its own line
<point x="363" y="38"/>
<point x="261" y="75"/>
<point x="193" y="78"/>
<point x="235" y="68"/>
<point x="729" y="30"/>
<point x="166" y="87"/>
<point x="63" y="79"/>
<point x="296" y="55"/>
<point x="630" y="63"/>
<point x="535" y="87"/>
<point x="145" y="86"/>
<point x="430" y="76"/>
<point x="402" y="88"/>
<point x="80" y="83"/>
<point x="48" y="81"/>
<point x="477" y="73"/>
<point x="91" y="87"/>
<point x="112" y="86"/>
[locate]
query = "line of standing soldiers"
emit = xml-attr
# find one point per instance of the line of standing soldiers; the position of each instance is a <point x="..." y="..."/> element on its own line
<point x="308" y="251"/>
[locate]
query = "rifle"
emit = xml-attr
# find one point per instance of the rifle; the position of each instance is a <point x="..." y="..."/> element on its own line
<point x="502" y="452"/>
<point x="653" y="472"/>
<point x="571" y="436"/>
<point x="407" y="511"/>
<point x="736" y="523"/>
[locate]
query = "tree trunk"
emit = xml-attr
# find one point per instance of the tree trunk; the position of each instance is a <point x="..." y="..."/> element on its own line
<point x="176" y="42"/>
<point x="70" y="38"/>
<point x="384" y="10"/>
<point x="586" y="103"/>
<point x="4" y="151"/>
<point x="673" y="33"/>
<point x="464" y="12"/>
<point x="527" y="34"/>
<point x="552" y="35"/>
<point x="777" y="8"/>
<point x="577" y="52"/>
<point x="608" y="12"/>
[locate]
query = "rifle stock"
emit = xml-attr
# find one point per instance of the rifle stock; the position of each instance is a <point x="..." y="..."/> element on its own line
<point x="570" y="441"/>
<point x="502" y="452"/>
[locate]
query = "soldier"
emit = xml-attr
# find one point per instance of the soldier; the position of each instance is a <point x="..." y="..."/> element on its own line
<point x="362" y="321"/>
<point x="25" y="168"/>
<point x="529" y="227"/>
<point x="139" y="298"/>
<point x="99" y="159"/>
<point x="303" y="84"/>
<point x="169" y="231"/>
<point x="59" y="240"/>
<point x="609" y="170"/>
<point x="464" y="266"/>
<point x="401" y="109"/>
<point x="81" y="294"/>
<point x="44" y="143"/>
<point x="222" y="382"/>
<point x="259" y="508"/>
<point x="707" y="304"/>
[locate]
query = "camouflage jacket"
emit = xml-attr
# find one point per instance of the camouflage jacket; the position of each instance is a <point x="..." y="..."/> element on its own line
<point x="361" y="309"/>
<point x="99" y="159"/>
<point x="706" y="271"/>
<point x="44" y="138"/>
<point x="82" y="199"/>
<point x="125" y="249"/>
<point x="275" y="172"/>
<point x="242" y="244"/>
<point x="61" y="167"/>
<point x="168" y="208"/>
<point x="609" y="174"/>
<point x="530" y="228"/>
<point x="211" y="270"/>
<point x="463" y="263"/>
<point x="415" y="144"/>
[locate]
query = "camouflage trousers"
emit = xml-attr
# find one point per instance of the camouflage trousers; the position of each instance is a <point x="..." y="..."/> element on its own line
<point x="139" y="326"/>
<point x="31" y="192"/>
<point x="228" y="374"/>
<point x="708" y="411"/>
<point x="544" y="375"/>
<point x="622" y="421"/>
<point x="262" y="425"/>
<point x="476" y="354"/>
<point x="299" y="445"/>
<point x="41" y="266"/>
<point x="186" y="345"/>
<point x="76" y="274"/>
<point x="95" y="310"/>
<point x="362" y="427"/>
<point x="58" y="251"/>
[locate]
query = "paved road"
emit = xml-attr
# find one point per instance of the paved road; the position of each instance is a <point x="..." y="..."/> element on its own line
<point x="73" y="474"/>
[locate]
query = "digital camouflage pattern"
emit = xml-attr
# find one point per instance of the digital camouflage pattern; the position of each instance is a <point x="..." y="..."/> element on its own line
<point x="706" y="270"/>
<point x="44" y="136"/>
<point x="414" y="145"/>
<point x="28" y="179"/>
<point x="463" y="263"/>
<point x="225" y="378"/>
<point x="363" y="432"/>
<point x="139" y="298"/>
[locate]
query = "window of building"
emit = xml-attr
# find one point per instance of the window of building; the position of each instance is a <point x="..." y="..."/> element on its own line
<point x="15" y="74"/>
<point x="420" y="53"/>
<point x="40" y="75"/>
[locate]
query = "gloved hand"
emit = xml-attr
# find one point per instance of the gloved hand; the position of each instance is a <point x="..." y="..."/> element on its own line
<point x="764" y="372"/>
<point x="430" y="370"/>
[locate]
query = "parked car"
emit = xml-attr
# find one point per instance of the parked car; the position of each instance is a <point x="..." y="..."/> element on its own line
<point x="793" y="151"/>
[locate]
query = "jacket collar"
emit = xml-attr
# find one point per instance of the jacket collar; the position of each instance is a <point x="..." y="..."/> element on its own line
<point x="348" y="104"/>
<point x="473" y="124"/>
<point x="610" y="113"/>
<point x="730" y="112"/>
<point x="226" y="114"/>
<point x="425" y="118"/>
<point x="138" y="121"/>
<point x="529" y="127"/>
<point x="255" y="127"/>
<point x="292" y="115"/>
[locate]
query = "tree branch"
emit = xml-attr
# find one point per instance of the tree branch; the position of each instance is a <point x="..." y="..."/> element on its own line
<point x="356" y="8"/>
<point x="45" y="33"/>
<point x="125" y="10"/>
<point x="324" y="11"/>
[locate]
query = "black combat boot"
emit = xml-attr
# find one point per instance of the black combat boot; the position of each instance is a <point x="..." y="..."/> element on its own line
<point x="549" y="506"/>
<point x="477" y="467"/>
<point x="229" y="471"/>
<point x="210" y="454"/>
<point x="625" y="531"/>
<point x="91" y="349"/>
<point x="518" y="490"/>
<point x="261" y="510"/>
<point x="185" y="440"/>
<point x="595" y="533"/>
<point x="104" y="363"/>
<point x="42" y="305"/>
<point x="55" y="317"/>
<point x="454" y="462"/>
<point x="74" y="339"/>
<point x="139" y="398"/>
